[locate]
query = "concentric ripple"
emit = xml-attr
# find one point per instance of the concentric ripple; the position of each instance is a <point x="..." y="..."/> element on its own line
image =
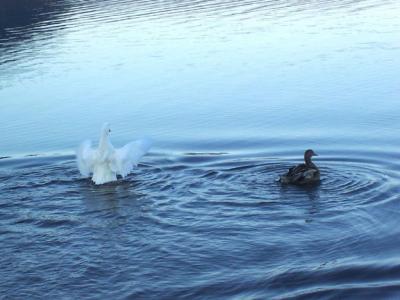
<point x="208" y="220"/>
<point x="359" y="182"/>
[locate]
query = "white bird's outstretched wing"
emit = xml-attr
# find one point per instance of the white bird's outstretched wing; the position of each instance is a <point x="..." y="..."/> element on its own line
<point x="85" y="157"/>
<point x="127" y="157"/>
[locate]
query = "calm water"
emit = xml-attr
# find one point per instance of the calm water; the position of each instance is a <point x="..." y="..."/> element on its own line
<point x="232" y="92"/>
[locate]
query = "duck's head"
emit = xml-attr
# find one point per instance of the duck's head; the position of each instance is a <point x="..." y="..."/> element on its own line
<point x="106" y="129"/>
<point x="309" y="153"/>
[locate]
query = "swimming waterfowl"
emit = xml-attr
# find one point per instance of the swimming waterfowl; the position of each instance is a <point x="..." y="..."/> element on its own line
<point x="106" y="162"/>
<point x="302" y="174"/>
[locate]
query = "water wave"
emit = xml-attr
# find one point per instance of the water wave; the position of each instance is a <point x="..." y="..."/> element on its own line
<point x="222" y="223"/>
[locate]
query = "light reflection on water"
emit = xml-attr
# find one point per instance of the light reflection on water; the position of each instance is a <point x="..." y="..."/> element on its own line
<point x="185" y="72"/>
<point x="231" y="92"/>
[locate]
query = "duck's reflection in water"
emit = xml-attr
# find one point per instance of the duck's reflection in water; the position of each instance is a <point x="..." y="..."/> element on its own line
<point x="303" y="197"/>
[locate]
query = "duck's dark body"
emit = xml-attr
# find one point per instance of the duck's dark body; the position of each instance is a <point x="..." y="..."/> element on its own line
<point x="302" y="174"/>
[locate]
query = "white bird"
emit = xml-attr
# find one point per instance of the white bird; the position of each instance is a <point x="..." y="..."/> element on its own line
<point x="106" y="162"/>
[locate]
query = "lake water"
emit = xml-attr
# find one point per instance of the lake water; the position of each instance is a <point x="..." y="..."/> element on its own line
<point x="232" y="93"/>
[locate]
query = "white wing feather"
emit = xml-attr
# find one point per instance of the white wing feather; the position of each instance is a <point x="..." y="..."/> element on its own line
<point x="85" y="157"/>
<point x="127" y="157"/>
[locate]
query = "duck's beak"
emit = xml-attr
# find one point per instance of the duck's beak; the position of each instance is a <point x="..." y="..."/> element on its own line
<point x="315" y="154"/>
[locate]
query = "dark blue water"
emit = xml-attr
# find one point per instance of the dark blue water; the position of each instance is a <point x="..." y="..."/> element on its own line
<point x="232" y="93"/>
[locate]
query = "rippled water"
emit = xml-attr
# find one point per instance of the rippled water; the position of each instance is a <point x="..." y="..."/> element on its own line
<point x="232" y="92"/>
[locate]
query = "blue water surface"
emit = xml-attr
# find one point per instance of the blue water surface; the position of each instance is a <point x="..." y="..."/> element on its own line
<point x="232" y="93"/>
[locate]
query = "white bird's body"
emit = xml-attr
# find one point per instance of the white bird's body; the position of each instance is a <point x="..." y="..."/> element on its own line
<point x="106" y="162"/>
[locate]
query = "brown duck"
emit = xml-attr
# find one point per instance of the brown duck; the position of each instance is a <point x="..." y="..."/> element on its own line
<point x="302" y="174"/>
